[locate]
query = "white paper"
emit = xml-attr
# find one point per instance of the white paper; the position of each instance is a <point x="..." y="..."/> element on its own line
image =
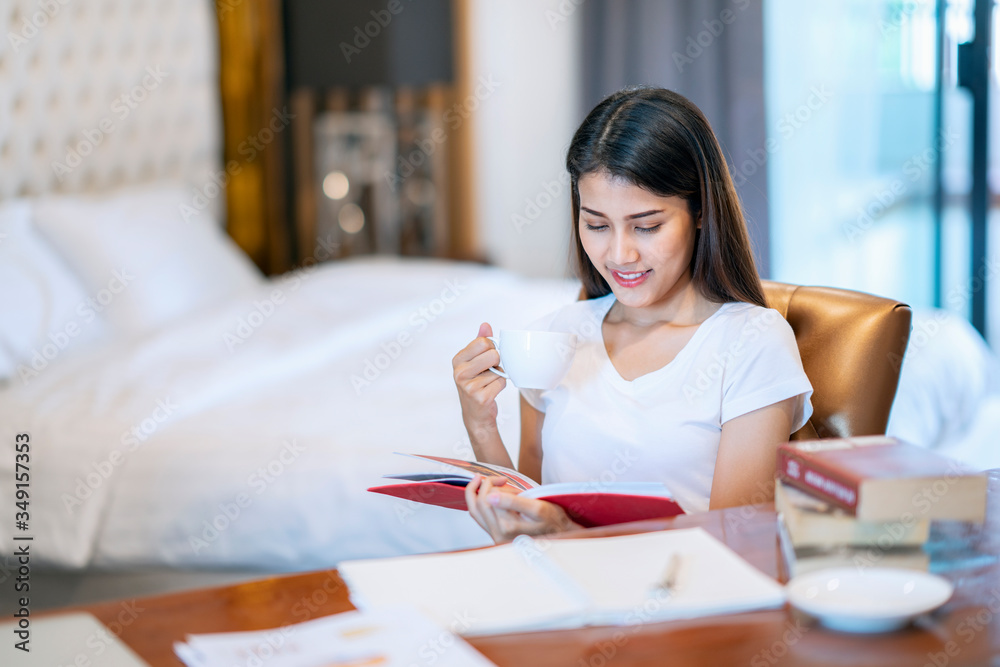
<point x="66" y="639"/>
<point x="398" y="636"/>
<point x="495" y="588"/>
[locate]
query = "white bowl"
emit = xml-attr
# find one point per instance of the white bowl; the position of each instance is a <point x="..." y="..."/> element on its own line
<point x="875" y="599"/>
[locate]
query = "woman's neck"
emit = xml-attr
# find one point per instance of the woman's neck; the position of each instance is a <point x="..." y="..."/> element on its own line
<point x="684" y="307"/>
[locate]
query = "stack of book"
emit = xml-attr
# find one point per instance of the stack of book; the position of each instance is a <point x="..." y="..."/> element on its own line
<point x="868" y="502"/>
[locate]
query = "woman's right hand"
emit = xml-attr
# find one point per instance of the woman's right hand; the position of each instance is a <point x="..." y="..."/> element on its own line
<point x="478" y="386"/>
<point x="505" y="515"/>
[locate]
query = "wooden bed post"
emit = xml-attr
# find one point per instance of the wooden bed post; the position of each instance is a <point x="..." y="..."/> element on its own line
<point x="255" y="124"/>
<point x="463" y="237"/>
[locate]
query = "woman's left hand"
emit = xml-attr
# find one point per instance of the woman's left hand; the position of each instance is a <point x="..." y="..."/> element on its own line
<point x="505" y="515"/>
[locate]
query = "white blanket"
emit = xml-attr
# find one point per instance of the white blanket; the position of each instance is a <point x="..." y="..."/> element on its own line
<point x="246" y="437"/>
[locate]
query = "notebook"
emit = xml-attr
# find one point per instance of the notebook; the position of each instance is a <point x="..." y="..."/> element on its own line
<point x="543" y="583"/>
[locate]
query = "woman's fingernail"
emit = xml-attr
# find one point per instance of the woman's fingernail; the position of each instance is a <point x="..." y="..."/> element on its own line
<point x="494" y="499"/>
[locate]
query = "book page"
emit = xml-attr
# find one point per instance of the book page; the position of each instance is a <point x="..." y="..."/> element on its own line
<point x="630" y="488"/>
<point x="457" y="479"/>
<point x="519" y="481"/>
<point x="620" y="575"/>
<point x="485" y="591"/>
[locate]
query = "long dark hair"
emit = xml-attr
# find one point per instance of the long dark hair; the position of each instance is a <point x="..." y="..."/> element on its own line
<point x="658" y="140"/>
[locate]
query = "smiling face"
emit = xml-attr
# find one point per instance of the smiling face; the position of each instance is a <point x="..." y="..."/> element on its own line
<point x="640" y="243"/>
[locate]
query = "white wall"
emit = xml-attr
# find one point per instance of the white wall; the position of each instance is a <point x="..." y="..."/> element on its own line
<point x="528" y="50"/>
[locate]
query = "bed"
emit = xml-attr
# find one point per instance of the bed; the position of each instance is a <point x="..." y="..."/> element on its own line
<point x="186" y="413"/>
<point x="949" y="390"/>
<point x="245" y="432"/>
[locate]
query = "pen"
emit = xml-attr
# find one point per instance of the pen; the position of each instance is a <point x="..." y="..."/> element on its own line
<point x="668" y="582"/>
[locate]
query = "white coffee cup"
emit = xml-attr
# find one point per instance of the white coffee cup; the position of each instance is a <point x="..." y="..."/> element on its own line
<point x="534" y="359"/>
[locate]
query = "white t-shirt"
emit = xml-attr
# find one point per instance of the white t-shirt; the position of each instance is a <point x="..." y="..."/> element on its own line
<point x="665" y="425"/>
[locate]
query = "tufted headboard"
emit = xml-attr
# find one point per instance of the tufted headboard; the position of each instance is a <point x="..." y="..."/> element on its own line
<point x="100" y="93"/>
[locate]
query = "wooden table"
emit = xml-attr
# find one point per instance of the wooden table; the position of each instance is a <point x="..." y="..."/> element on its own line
<point x="966" y="631"/>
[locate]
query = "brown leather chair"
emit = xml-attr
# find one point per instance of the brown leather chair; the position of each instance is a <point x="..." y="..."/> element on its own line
<point x="852" y="345"/>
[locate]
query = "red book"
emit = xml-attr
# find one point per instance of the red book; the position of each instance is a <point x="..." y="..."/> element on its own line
<point x="878" y="478"/>
<point x="587" y="503"/>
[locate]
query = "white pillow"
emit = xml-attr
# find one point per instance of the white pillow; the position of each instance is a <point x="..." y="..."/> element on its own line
<point x="148" y="252"/>
<point x="947" y="371"/>
<point x="46" y="313"/>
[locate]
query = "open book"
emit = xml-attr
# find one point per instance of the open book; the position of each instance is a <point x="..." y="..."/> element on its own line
<point x="587" y="503"/>
<point x="539" y="583"/>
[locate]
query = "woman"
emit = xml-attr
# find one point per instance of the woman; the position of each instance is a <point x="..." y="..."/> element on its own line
<point x="682" y="374"/>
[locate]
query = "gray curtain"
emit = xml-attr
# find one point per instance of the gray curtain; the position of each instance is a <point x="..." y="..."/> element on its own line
<point x="710" y="51"/>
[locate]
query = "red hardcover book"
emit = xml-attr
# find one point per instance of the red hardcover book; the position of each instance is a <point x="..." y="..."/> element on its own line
<point x="879" y="478"/>
<point x="588" y="503"/>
